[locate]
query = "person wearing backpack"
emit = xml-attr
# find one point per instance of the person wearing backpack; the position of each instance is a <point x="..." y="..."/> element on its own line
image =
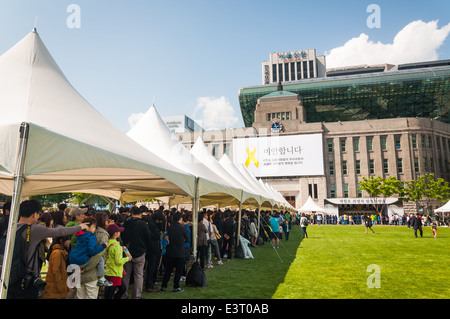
<point x="31" y="235"/>
<point x="303" y="225"/>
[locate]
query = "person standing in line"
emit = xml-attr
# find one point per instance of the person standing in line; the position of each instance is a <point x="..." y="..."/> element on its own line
<point x="56" y="278"/>
<point x="304" y="225"/>
<point x="114" y="263"/>
<point x="76" y="216"/>
<point x="253" y="232"/>
<point x="28" y="217"/>
<point x="416" y="224"/>
<point x="214" y="236"/>
<point x="153" y="255"/>
<point x="228" y="234"/>
<point x="202" y="242"/>
<point x="176" y="258"/>
<point x="136" y="236"/>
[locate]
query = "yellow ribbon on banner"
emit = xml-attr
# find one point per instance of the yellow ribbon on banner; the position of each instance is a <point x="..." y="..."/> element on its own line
<point x="251" y="157"/>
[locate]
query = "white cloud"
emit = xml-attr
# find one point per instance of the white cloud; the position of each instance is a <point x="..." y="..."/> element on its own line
<point x="134" y="118"/>
<point x="417" y="41"/>
<point x="216" y="113"/>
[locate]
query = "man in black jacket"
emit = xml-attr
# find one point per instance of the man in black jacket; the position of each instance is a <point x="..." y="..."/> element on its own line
<point x="416" y="224"/>
<point x="175" y="251"/>
<point x="153" y="256"/>
<point x="136" y="236"/>
<point x="228" y="234"/>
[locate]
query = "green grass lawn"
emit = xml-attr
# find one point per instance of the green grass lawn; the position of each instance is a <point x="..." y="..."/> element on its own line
<point x="332" y="263"/>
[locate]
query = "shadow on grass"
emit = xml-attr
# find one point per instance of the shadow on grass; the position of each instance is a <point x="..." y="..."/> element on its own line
<point x="242" y="278"/>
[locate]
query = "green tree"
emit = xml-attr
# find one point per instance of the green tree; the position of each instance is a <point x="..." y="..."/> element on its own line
<point x="377" y="186"/>
<point x="425" y="190"/>
<point x="50" y="199"/>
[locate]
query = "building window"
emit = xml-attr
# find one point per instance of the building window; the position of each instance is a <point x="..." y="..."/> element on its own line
<point x="292" y="71"/>
<point x="290" y="199"/>
<point x="397" y="139"/>
<point x="414" y="140"/>
<point x="430" y="142"/>
<point x="299" y="71"/>
<point x="215" y="150"/>
<point x="416" y="164"/>
<point x="423" y="141"/>
<point x="305" y="70"/>
<point x="359" y="190"/>
<point x="332" y="191"/>
<point x="331" y="164"/>
<point x="346" y="190"/>
<point x="344" y="167"/>
<point x="383" y="143"/>
<point x="385" y="165"/>
<point x="342" y="141"/>
<point x="425" y="164"/>
<point x="371" y="166"/>
<point x="288" y="115"/>
<point x="286" y="72"/>
<point x="431" y="164"/>
<point x="280" y="72"/>
<point x="330" y="145"/>
<point x="269" y="116"/>
<point x="274" y="73"/>
<point x="370" y="143"/>
<point x="312" y="190"/>
<point x="226" y="149"/>
<point x="356" y="144"/>
<point x="311" y="69"/>
<point x="399" y="165"/>
<point x="358" y="166"/>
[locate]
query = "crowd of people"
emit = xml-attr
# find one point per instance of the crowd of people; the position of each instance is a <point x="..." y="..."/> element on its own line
<point x="360" y="218"/>
<point x="92" y="254"/>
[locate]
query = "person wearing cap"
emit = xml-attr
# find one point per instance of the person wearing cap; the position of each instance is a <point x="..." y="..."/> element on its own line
<point x="114" y="263"/>
<point x="76" y="216"/>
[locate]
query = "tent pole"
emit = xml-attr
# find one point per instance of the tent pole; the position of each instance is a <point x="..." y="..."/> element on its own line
<point x="238" y="233"/>
<point x="14" y="214"/>
<point x="195" y="209"/>
<point x="259" y="220"/>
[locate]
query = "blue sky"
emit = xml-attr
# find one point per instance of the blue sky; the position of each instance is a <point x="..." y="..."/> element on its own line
<point x="193" y="56"/>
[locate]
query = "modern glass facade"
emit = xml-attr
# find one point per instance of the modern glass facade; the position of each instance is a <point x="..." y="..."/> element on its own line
<point x="419" y="92"/>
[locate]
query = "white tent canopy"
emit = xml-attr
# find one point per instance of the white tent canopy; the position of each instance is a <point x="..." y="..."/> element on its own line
<point x="267" y="198"/>
<point x="152" y="133"/>
<point x="310" y="206"/>
<point x="71" y="147"/>
<point x="443" y="209"/>
<point x="54" y="141"/>
<point x="200" y="151"/>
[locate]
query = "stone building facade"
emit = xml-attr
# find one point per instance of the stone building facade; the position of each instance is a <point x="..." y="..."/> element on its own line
<point x="402" y="147"/>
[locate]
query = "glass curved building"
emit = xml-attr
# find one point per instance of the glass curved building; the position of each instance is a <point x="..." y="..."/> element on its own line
<point x="412" y="90"/>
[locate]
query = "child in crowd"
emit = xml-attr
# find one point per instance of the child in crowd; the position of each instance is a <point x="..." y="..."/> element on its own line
<point x="86" y="245"/>
<point x="56" y="279"/>
<point x="114" y="263"/>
